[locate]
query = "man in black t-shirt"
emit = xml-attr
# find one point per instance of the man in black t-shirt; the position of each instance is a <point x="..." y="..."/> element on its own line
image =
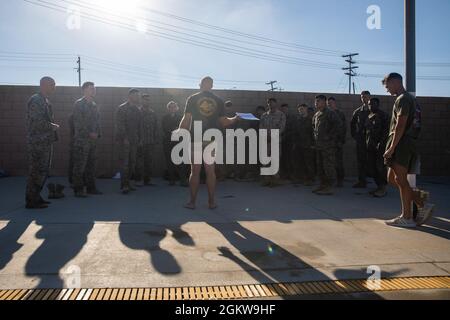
<point x="209" y="109"/>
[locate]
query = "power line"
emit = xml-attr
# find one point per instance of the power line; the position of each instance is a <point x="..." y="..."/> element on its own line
<point x="126" y="68"/>
<point x="156" y="24"/>
<point x="228" y="49"/>
<point x="129" y="17"/>
<point x="392" y="63"/>
<point x="239" y="33"/>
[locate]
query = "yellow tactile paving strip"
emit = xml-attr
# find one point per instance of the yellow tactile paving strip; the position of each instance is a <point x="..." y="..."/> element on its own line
<point x="230" y="291"/>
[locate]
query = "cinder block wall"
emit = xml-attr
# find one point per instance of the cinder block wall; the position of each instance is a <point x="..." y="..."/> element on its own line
<point x="434" y="143"/>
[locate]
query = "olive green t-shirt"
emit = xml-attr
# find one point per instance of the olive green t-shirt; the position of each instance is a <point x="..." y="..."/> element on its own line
<point x="405" y="105"/>
<point x="207" y="108"/>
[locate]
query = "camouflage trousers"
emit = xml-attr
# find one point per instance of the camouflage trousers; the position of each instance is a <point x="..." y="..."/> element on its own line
<point x="127" y="163"/>
<point x="144" y="162"/>
<point x="39" y="161"/>
<point x="84" y="158"/>
<point x="326" y="165"/>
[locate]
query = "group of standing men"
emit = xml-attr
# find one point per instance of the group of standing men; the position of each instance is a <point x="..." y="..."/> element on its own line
<point x="310" y="136"/>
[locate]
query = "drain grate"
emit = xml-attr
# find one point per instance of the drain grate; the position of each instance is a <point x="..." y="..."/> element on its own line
<point x="230" y="291"/>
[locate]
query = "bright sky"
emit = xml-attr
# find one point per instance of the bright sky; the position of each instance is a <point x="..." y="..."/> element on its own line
<point x="135" y="43"/>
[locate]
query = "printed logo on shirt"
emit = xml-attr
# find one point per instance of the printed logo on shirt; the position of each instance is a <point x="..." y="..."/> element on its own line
<point x="207" y="107"/>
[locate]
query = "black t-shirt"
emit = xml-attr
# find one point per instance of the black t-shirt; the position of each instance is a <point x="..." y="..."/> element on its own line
<point x="207" y="108"/>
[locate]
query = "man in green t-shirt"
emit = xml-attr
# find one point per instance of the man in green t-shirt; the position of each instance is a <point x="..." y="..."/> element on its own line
<point x="401" y="152"/>
<point x="208" y="108"/>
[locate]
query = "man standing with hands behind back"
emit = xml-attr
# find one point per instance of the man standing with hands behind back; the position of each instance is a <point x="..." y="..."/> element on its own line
<point x="128" y="137"/>
<point x="86" y="131"/>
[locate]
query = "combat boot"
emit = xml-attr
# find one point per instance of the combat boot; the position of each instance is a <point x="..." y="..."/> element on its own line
<point x="41" y="200"/>
<point x="360" y="185"/>
<point x="326" y="191"/>
<point x="319" y="188"/>
<point x="79" y="193"/>
<point x="51" y="191"/>
<point x="30" y="205"/>
<point x="126" y="190"/>
<point x="380" y="192"/>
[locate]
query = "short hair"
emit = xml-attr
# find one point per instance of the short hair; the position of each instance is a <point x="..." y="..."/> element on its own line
<point x="331" y="99"/>
<point x="271" y="100"/>
<point x="375" y="100"/>
<point x="365" y="92"/>
<point x="392" y="76"/>
<point x="321" y="97"/>
<point x="302" y="105"/>
<point x="46" y="79"/>
<point x="171" y="103"/>
<point x="207" y="78"/>
<point x="87" y="84"/>
<point x="228" y="104"/>
<point x="132" y="91"/>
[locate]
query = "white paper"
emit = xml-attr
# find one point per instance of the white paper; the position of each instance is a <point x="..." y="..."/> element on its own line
<point x="247" y="116"/>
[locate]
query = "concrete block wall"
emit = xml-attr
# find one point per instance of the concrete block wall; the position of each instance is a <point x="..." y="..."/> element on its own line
<point x="434" y="143"/>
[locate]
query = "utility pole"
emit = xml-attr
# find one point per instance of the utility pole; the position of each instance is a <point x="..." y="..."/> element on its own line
<point x="271" y="84"/>
<point x="410" y="46"/>
<point x="78" y="68"/>
<point x="410" y="70"/>
<point x="350" y="69"/>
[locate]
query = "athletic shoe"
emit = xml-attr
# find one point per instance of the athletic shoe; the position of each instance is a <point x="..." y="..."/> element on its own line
<point x="424" y="214"/>
<point x="401" y="222"/>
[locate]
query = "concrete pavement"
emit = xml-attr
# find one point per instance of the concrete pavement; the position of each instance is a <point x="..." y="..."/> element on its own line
<point x="146" y="239"/>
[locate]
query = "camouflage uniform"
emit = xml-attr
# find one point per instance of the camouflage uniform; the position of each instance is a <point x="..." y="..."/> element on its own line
<point x="377" y="127"/>
<point x="86" y="120"/>
<point x="270" y="121"/>
<point x="127" y="126"/>
<point x="149" y="130"/>
<point x="304" y="152"/>
<point x="40" y="139"/>
<point x="357" y="128"/>
<point x="340" y="141"/>
<point x="326" y="126"/>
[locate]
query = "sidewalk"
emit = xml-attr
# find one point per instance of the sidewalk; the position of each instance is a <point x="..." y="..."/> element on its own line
<point x="257" y="235"/>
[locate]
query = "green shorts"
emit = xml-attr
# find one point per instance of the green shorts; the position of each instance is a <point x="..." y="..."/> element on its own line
<point x="405" y="154"/>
